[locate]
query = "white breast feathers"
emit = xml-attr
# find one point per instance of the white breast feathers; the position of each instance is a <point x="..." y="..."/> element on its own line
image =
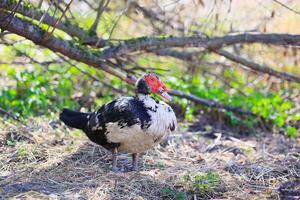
<point x="163" y="119"/>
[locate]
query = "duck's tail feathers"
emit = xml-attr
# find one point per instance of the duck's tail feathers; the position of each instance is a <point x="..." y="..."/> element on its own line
<point x="74" y="119"/>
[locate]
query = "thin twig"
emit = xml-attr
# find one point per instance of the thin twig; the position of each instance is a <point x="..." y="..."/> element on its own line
<point x="57" y="22"/>
<point x="102" y="6"/>
<point x="45" y="13"/>
<point x="95" y="78"/>
<point x="43" y="16"/>
<point x="289" y="8"/>
<point x="13" y="12"/>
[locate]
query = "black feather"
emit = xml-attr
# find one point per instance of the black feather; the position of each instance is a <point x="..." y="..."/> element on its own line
<point x="142" y="87"/>
<point x="74" y="119"/>
<point x="94" y="124"/>
<point x="172" y="126"/>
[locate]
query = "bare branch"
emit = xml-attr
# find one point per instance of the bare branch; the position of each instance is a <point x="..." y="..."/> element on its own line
<point x="291" y="9"/>
<point x="59" y="20"/>
<point x="256" y="67"/>
<point x="182" y="55"/>
<point x="102" y="6"/>
<point x="151" y="15"/>
<point x="13" y="12"/>
<point x="45" y="12"/>
<point x="26" y="63"/>
<point x="150" y="43"/>
<point x="57" y="5"/>
<point x="192" y="56"/>
<point x="38" y="15"/>
<point x="209" y="103"/>
<point x="36" y="34"/>
<point x="95" y="78"/>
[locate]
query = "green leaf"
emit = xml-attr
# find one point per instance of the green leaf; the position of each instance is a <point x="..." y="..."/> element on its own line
<point x="11" y="142"/>
<point x="291" y="132"/>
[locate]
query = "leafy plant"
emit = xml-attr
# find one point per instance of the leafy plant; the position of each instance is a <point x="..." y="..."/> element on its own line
<point x="173" y="193"/>
<point x="11" y="142"/>
<point x="204" y="182"/>
<point x="37" y="92"/>
<point x="22" y="151"/>
<point x="272" y="107"/>
<point x="291" y="132"/>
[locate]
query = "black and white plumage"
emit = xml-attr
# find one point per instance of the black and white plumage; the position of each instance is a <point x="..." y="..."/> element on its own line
<point x="128" y="124"/>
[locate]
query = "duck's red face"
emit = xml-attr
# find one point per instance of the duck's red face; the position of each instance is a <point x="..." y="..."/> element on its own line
<point x="157" y="86"/>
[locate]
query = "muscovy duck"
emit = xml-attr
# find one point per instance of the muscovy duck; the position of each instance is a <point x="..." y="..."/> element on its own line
<point x="128" y="124"/>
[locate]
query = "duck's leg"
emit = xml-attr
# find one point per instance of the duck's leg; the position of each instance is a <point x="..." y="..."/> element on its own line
<point x="115" y="160"/>
<point x="135" y="162"/>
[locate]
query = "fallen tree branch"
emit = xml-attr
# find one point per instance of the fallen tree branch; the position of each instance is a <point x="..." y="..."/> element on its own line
<point x="13" y="11"/>
<point x="182" y="55"/>
<point x="70" y="29"/>
<point x="151" y="43"/>
<point x="35" y="34"/>
<point x="193" y="57"/>
<point x="209" y="103"/>
<point x="257" y="67"/>
<point x="49" y="20"/>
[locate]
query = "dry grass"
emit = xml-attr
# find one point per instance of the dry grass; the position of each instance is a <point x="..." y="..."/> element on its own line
<point x="50" y="162"/>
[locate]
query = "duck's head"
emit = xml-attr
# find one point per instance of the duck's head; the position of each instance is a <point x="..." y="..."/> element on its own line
<point x="150" y="83"/>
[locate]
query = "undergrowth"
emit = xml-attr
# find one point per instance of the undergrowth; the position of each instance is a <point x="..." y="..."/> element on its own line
<point x="272" y="106"/>
<point x="40" y="91"/>
<point x="205" y="184"/>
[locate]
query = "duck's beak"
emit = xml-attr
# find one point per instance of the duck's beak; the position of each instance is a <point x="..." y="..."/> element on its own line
<point x="163" y="92"/>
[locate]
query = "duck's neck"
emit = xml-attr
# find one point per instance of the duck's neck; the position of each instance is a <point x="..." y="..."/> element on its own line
<point x="143" y="97"/>
<point x="148" y="101"/>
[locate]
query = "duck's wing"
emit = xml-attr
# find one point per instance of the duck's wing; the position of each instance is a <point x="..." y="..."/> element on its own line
<point x="124" y="111"/>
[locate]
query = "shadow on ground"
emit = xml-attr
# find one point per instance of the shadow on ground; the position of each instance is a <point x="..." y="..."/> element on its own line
<point x="82" y="174"/>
